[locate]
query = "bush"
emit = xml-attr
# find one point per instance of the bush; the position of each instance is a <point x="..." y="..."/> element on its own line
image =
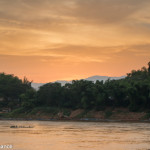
<point x="45" y="110"/>
<point x="66" y="112"/>
<point x="147" y="116"/>
<point x="108" y="114"/>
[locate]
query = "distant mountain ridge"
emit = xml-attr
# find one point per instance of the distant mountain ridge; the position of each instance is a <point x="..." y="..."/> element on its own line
<point x="104" y="78"/>
<point x="92" y="78"/>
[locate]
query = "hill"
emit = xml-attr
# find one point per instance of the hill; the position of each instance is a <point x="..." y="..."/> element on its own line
<point x="92" y="78"/>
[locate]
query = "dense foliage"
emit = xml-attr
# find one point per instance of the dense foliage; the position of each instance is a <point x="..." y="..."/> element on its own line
<point x="11" y="88"/>
<point x="132" y="92"/>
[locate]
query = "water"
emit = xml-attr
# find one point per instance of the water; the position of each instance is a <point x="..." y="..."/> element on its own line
<point x="48" y="135"/>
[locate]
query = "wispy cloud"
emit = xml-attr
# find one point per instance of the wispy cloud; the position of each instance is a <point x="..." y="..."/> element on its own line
<point x="84" y="33"/>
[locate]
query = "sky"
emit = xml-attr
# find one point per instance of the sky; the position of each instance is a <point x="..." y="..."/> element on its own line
<point x="48" y="40"/>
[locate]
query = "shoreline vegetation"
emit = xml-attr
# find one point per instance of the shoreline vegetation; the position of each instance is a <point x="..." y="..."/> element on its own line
<point x="84" y="116"/>
<point x="125" y="100"/>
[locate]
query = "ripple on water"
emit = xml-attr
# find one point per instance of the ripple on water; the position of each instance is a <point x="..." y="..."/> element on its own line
<point x="76" y="135"/>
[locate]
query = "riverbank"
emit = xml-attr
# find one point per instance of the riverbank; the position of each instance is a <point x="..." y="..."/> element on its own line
<point x="75" y="120"/>
<point x="107" y="115"/>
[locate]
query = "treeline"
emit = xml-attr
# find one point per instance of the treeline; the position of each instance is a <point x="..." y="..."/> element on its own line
<point x="132" y="92"/>
<point x="11" y="89"/>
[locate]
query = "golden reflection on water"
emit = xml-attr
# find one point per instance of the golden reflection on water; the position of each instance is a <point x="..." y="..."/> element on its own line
<point x="48" y="135"/>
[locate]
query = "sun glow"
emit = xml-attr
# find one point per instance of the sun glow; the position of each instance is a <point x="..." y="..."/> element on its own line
<point x="70" y="39"/>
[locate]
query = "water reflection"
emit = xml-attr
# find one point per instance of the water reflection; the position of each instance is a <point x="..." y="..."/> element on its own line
<point x="75" y="135"/>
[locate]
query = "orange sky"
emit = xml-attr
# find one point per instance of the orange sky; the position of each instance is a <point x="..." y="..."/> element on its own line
<point x="47" y="40"/>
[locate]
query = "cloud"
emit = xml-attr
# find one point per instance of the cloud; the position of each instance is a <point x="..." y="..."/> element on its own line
<point x="62" y="12"/>
<point x="70" y="16"/>
<point x="107" y="11"/>
<point x="75" y="32"/>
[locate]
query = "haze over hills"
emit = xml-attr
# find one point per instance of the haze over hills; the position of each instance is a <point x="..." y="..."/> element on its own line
<point x="104" y="78"/>
<point x="92" y="78"/>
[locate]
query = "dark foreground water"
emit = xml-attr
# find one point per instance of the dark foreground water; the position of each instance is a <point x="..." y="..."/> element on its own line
<point x="47" y="135"/>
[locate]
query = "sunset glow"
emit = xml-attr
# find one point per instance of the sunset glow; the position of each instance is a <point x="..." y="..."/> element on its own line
<point x="47" y="40"/>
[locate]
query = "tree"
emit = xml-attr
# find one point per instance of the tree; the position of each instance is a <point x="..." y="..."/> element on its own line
<point x="50" y="94"/>
<point x="149" y="67"/>
<point x="28" y="99"/>
<point x="11" y="87"/>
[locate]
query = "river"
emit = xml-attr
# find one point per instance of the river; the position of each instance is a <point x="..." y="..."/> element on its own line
<point x="54" y="135"/>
